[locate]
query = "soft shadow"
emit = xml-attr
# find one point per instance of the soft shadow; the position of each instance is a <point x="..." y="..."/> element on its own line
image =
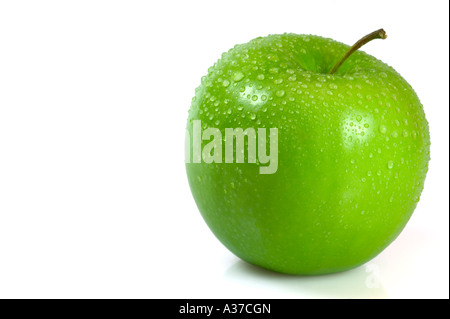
<point x="351" y="284"/>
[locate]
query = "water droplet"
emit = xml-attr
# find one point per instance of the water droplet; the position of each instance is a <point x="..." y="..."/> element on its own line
<point x="232" y="185"/>
<point x="280" y="93"/>
<point x="366" y="125"/>
<point x="199" y="178"/>
<point x="379" y="173"/>
<point x="260" y="77"/>
<point x="254" y="97"/>
<point x="359" y="118"/>
<point x="278" y="81"/>
<point x="332" y="86"/>
<point x="274" y="70"/>
<point x="369" y="173"/>
<point x="394" y="134"/>
<point x="405" y="133"/>
<point x="238" y="76"/>
<point x="263" y="97"/>
<point x="390" y="164"/>
<point x="383" y="129"/>
<point x="253" y="116"/>
<point x="226" y="83"/>
<point x="272" y="57"/>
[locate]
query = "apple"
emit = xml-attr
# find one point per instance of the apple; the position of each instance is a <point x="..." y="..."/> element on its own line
<point x="353" y="148"/>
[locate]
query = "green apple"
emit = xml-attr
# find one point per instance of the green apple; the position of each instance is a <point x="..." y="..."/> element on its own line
<point x="353" y="152"/>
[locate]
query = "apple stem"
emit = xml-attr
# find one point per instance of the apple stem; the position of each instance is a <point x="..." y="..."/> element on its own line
<point x="379" y="34"/>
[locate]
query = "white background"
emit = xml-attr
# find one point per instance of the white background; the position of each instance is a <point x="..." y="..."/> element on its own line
<point x="94" y="199"/>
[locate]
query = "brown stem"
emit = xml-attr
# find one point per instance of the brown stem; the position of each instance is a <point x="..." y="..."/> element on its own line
<point x="379" y="34"/>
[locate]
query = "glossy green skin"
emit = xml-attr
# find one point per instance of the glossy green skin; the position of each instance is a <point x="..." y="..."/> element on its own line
<point x="353" y="154"/>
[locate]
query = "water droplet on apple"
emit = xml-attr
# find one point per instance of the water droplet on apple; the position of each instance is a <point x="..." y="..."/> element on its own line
<point x="254" y="97"/>
<point x="238" y="76"/>
<point x="226" y="83"/>
<point x="274" y="70"/>
<point x="278" y="81"/>
<point x="280" y="93"/>
<point x="332" y="86"/>
<point x="383" y="129"/>
<point x="405" y="133"/>
<point x="260" y="77"/>
<point x="394" y="134"/>
<point x="273" y="57"/>
<point x="390" y="164"/>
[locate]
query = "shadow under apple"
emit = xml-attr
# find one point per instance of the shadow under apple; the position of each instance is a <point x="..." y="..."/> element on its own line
<point x="352" y="284"/>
